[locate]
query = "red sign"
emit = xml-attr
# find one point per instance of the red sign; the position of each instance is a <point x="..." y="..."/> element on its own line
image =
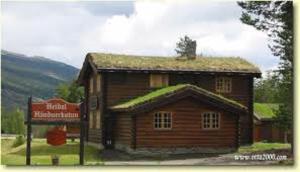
<point x="55" y="110"/>
<point x="56" y="137"/>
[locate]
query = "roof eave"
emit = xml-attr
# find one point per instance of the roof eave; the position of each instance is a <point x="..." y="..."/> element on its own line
<point x="87" y="62"/>
<point x="241" y="73"/>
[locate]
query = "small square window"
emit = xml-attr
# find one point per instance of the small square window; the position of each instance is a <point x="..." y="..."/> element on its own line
<point x="159" y="80"/>
<point x="223" y="84"/>
<point x="162" y="120"/>
<point x="210" y="120"/>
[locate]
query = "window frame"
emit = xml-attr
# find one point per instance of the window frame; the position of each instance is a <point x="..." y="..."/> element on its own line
<point x="164" y="80"/>
<point x="210" y="113"/>
<point x="162" y="120"/>
<point x="223" y="85"/>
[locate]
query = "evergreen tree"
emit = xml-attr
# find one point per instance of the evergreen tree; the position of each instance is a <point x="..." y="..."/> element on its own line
<point x="276" y="19"/>
<point x="186" y="47"/>
<point x="70" y="92"/>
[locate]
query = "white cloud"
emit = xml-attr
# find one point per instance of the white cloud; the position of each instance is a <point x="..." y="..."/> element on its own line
<point x="152" y="29"/>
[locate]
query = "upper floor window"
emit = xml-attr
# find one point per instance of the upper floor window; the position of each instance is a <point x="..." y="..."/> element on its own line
<point x="223" y="84"/>
<point x="210" y="120"/>
<point x="159" y="80"/>
<point x="163" y="120"/>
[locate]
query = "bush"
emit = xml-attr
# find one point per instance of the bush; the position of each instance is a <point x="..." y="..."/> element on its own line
<point x="19" y="141"/>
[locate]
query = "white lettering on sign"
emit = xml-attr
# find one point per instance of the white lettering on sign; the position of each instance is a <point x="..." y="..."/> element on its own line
<point x="39" y="114"/>
<point x="50" y="106"/>
<point x="55" y="110"/>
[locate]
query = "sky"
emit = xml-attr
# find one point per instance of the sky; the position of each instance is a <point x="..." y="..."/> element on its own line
<point x="67" y="31"/>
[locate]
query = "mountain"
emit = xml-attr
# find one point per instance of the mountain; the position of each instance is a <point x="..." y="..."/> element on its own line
<point x="22" y="76"/>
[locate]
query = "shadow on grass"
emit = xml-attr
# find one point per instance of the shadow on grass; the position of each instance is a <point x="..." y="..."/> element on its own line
<point x="117" y="155"/>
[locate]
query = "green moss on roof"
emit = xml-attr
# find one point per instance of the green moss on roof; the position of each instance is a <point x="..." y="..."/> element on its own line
<point x="154" y="95"/>
<point x="222" y="64"/>
<point x="265" y="110"/>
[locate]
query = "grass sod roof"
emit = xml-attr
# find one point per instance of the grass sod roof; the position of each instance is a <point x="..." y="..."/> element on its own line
<point x="166" y="91"/>
<point x="265" y="110"/>
<point x="213" y="64"/>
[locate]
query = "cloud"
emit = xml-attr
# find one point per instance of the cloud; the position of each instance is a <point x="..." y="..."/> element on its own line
<point x="147" y="28"/>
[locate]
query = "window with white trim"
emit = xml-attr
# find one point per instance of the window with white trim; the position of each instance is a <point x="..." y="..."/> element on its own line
<point x="210" y="120"/>
<point x="163" y="120"/>
<point x="223" y="84"/>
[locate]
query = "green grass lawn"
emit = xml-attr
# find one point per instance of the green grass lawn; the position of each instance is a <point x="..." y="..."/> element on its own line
<point x="41" y="153"/>
<point x="260" y="146"/>
<point x="68" y="153"/>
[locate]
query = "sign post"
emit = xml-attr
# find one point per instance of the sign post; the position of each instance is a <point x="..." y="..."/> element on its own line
<point x="82" y="131"/>
<point x="28" y="145"/>
<point x="55" y="112"/>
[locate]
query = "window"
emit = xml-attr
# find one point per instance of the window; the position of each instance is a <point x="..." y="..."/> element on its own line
<point x="159" y="80"/>
<point x="210" y="120"/>
<point x="163" y="120"/>
<point x="223" y="85"/>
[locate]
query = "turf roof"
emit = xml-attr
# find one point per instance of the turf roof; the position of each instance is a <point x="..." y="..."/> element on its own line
<point x="214" y="64"/>
<point x="170" y="90"/>
<point x="265" y="110"/>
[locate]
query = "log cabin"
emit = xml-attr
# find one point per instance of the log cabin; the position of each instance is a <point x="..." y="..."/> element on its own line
<point x="147" y="104"/>
<point x="264" y="124"/>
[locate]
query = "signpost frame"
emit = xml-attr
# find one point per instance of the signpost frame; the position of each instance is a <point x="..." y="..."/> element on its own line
<point x="31" y="122"/>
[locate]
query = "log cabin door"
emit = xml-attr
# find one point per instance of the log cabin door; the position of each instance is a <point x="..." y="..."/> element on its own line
<point x="108" y="132"/>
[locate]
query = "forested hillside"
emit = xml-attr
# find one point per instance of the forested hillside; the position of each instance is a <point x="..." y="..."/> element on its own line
<point x="22" y="76"/>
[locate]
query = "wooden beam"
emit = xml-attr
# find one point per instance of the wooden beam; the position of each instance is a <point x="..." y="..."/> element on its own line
<point x="103" y="107"/>
<point x="133" y="133"/>
<point x="250" y="109"/>
<point x="237" y="131"/>
<point x="232" y="73"/>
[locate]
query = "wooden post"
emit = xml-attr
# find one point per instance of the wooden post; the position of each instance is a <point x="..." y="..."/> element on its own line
<point x="82" y="133"/>
<point x="28" y="145"/>
<point x="133" y="118"/>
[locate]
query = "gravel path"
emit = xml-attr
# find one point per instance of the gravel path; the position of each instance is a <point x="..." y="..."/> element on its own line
<point x="224" y="159"/>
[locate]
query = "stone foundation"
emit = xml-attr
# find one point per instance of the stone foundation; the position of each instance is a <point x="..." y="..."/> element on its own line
<point x="171" y="151"/>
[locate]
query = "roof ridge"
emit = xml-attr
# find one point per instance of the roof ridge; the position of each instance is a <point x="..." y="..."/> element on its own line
<point x="171" y="63"/>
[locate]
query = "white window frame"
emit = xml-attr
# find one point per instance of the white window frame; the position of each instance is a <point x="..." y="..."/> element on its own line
<point x="161" y="113"/>
<point x="223" y="84"/>
<point x="163" y="82"/>
<point x="210" y="126"/>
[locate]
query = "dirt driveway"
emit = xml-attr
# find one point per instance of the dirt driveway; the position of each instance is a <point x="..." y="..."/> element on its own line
<point x="112" y="157"/>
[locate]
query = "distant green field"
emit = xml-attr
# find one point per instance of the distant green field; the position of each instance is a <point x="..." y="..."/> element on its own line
<point x="265" y="110"/>
<point x="41" y="153"/>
